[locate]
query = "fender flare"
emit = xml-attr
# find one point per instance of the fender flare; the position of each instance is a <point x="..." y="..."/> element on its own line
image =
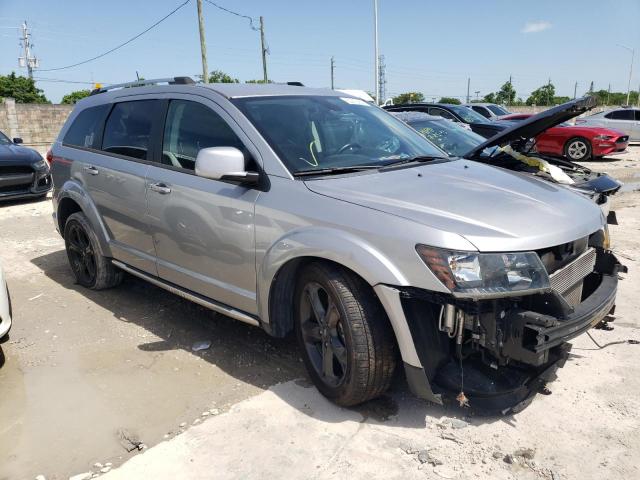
<point x="74" y="191"/>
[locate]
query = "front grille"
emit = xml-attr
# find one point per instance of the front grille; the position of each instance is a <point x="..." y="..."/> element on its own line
<point x="15" y="182"/>
<point x="12" y="169"/>
<point x="568" y="280"/>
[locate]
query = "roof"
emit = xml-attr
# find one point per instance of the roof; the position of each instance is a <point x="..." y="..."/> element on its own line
<point x="237" y="90"/>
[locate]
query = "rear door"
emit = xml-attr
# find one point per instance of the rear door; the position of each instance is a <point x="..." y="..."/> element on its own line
<point x="115" y="179"/>
<point x="636" y="129"/>
<point x="203" y="229"/>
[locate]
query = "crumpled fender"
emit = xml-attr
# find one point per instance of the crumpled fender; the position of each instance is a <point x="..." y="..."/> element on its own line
<point x="330" y="244"/>
<point x="74" y="191"/>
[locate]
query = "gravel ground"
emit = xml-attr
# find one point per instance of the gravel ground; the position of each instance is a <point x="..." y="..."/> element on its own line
<point x="93" y="379"/>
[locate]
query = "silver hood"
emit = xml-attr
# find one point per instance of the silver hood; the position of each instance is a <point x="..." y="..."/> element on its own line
<point x="494" y="209"/>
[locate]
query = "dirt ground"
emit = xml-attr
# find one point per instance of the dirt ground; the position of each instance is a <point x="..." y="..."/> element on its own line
<point x="86" y="376"/>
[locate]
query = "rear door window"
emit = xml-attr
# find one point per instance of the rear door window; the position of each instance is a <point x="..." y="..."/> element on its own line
<point x="86" y="128"/>
<point x="190" y="127"/>
<point x="481" y="111"/>
<point x="620" y="115"/>
<point x="128" y="129"/>
<point x="637" y="115"/>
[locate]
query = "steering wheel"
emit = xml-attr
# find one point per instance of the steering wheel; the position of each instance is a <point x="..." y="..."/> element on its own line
<point x="349" y="146"/>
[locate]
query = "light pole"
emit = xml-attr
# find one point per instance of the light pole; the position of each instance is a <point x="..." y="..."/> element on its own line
<point x="630" y="69"/>
<point x="375" y="41"/>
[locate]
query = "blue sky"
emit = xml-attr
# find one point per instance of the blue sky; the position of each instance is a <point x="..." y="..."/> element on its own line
<point x="429" y="46"/>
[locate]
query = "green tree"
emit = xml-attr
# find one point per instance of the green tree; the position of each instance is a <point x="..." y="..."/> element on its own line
<point x="23" y="89"/>
<point x="218" y="76"/>
<point x="559" y="100"/>
<point x="452" y="100"/>
<point x="543" y="95"/>
<point x="489" y="98"/>
<point x="408" y="97"/>
<point x="74" y="97"/>
<point x="506" y="95"/>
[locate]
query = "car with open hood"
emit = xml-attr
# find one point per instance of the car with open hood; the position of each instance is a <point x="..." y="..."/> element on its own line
<point x="575" y="142"/>
<point x="23" y="171"/>
<point x="513" y="150"/>
<point x="314" y="213"/>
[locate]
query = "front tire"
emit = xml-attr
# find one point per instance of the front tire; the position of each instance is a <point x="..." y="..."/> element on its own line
<point x="347" y="344"/>
<point x="577" y="149"/>
<point x="91" y="269"/>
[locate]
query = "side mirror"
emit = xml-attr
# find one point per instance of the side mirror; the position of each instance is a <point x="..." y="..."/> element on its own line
<point x="224" y="163"/>
<point x="17" y="140"/>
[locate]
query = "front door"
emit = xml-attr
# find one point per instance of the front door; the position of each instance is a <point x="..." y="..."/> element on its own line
<point x="203" y="229"/>
<point x="115" y="179"/>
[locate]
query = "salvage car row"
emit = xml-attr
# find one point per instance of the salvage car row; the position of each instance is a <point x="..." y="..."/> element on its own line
<point x="313" y="213"/>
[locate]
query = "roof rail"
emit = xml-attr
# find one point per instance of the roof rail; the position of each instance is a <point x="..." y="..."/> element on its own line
<point x="140" y="83"/>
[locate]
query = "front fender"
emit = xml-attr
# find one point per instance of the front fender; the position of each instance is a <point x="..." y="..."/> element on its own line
<point x="331" y="244"/>
<point x="74" y="191"/>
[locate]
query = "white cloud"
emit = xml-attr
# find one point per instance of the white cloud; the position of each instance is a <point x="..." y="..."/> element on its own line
<point x="535" y="27"/>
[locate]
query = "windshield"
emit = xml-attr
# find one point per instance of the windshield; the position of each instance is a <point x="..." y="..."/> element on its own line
<point x="450" y="137"/>
<point x="4" y="140"/>
<point x="468" y="115"/>
<point x="320" y="132"/>
<point x="498" y="110"/>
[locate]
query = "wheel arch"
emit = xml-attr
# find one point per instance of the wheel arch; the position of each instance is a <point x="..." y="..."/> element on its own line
<point x="278" y="271"/>
<point x="73" y="198"/>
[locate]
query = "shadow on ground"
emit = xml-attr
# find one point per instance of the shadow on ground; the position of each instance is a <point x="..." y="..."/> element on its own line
<point x="242" y="351"/>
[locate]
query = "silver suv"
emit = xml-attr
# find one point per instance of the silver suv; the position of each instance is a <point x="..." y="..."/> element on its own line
<point x="312" y="212"/>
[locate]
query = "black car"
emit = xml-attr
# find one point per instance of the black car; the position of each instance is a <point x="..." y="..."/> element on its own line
<point x="23" y="171"/>
<point x="457" y="113"/>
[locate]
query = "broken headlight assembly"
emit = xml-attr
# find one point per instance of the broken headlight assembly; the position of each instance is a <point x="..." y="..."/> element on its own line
<point x="486" y="275"/>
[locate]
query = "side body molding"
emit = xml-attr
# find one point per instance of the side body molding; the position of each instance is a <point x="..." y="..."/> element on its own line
<point x="74" y="191"/>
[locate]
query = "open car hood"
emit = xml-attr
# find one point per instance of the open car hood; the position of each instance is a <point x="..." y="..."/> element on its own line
<point x="535" y="125"/>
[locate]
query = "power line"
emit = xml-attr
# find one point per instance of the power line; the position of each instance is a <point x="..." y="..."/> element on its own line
<point x="253" y="27"/>
<point x="122" y="44"/>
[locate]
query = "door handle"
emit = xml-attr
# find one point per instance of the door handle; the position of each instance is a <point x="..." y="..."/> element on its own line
<point x="91" y="170"/>
<point x="160" y="188"/>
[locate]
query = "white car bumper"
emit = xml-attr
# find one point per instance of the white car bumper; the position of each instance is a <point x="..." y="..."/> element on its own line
<point x="5" y="307"/>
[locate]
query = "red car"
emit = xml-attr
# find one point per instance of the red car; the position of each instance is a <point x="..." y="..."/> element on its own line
<point x="576" y="142"/>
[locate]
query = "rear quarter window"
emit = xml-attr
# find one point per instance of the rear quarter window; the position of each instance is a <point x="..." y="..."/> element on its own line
<point x="86" y="128"/>
<point x="620" y="115"/>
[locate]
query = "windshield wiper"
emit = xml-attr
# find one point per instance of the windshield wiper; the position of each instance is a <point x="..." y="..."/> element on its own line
<point x="334" y="170"/>
<point x="417" y="159"/>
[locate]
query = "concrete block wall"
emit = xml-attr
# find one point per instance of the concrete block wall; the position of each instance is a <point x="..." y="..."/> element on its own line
<point x="37" y="124"/>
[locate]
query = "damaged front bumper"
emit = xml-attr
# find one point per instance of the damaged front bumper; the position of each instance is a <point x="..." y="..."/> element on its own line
<point x="506" y="349"/>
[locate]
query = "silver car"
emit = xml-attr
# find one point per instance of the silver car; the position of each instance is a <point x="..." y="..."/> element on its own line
<point x="311" y="212"/>
<point x="626" y="120"/>
<point x="5" y="308"/>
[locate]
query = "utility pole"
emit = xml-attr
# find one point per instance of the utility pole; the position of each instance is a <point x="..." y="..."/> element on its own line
<point x="375" y="41"/>
<point x="575" y="90"/>
<point x="477" y="92"/>
<point x="27" y="60"/>
<point x="608" y="93"/>
<point x="203" y="44"/>
<point x="382" y="80"/>
<point x="468" y="86"/>
<point x="638" y="96"/>
<point x="591" y="87"/>
<point x="264" y="51"/>
<point x="333" y="64"/>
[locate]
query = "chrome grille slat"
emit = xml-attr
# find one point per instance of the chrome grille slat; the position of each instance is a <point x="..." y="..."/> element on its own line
<point x="569" y="275"/>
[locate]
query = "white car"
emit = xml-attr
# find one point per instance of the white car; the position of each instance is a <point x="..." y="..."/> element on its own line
<point x="5" y="307"/>
<point x="626" y="120"/>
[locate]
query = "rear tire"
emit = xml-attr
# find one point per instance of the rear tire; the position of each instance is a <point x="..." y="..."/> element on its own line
<point x="91" y="269"/>
<point x="577" y="149"/>
<point x="346" y="340"/>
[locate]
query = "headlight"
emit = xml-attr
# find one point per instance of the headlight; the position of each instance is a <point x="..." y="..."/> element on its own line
<point x="603" y="137"/>
<point x="472" y="274"/>
<point x="40" y="165"/>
